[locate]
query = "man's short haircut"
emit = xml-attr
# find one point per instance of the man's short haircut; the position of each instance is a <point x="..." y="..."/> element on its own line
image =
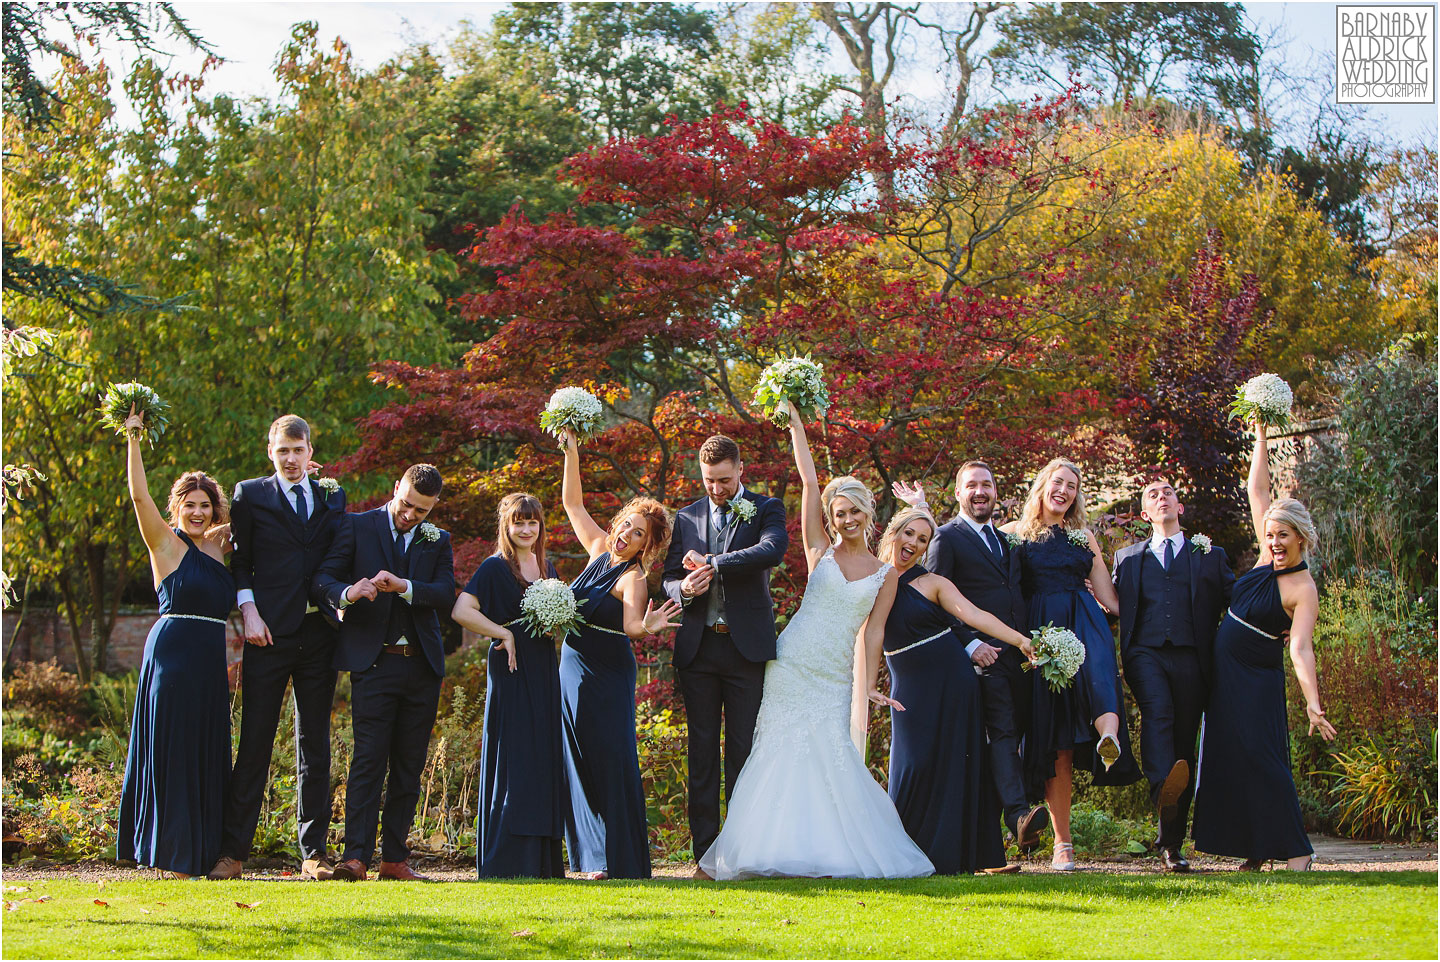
<point x="425" y="479"/>
<point x="974" y="464"/>
<point x="290" y="426"/>
<point x="719" y="448"/>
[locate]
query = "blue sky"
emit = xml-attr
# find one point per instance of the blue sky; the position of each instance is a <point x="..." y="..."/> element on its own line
<point x="248" y="35"/>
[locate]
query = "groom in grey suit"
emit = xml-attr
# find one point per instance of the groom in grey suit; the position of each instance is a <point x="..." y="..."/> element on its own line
<point x="721" y="552"/>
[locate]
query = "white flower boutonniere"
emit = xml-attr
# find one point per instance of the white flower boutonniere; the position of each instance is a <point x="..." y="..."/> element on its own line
<point x="427" y="532"/>
<point x="740" y="509"/>
<point x="1078" y="537"/>
<point x="1200" y="543"/>
<point x="328" y="485"/>
<point x="1013" y="539"/>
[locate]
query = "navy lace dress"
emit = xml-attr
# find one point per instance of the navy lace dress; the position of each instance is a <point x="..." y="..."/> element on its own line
<point x="1245" y="800"/>
<point x="605" y="830"/>
<point x="939" y="770"/>
<point x="1053" y="572"/>
<point x="173" y="799"/>
<point x="522" y="769"/>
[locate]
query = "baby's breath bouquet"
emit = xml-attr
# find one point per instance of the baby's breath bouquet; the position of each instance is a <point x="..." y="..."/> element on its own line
<point x="798" y="380"/>
<point x="1266" y="398"/>
<point x="1059" y="653"/>
<point x="119" y="398"/>
<point x="549" y="608"/>
<point x="573" y="409"/>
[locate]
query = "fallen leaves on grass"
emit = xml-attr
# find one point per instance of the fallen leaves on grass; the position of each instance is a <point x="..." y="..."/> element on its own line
<point x="521" y="934"/>
<point x="103" y="904"/>
<point x="248" y="905"/>
<point x="788" y="922"/>
<point x="17" y="888"/>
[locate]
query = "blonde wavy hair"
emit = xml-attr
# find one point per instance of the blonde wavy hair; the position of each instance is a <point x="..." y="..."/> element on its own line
<point x="886" y="551"/>
<point x="847" y="486"/>
<point x="1296" y="515"/>
<point x="1031" y="528"/>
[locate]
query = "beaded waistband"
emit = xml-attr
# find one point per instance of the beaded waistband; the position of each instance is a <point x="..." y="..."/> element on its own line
<point x="917" y="644"/>
<point x="1247" y="624"/>
<point x="217" y="621"/>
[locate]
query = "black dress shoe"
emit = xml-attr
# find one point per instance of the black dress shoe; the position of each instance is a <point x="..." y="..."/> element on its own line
<point x="1029" y="827"/>
<point x="1167" y="801"/>
<point x="1174" y="861"/>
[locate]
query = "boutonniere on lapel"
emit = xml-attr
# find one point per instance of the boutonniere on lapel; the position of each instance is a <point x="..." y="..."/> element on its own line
<point x="1013" y="539"/>
<point x="427" y="532"/>
<point x="1078" y="537"/>
<point x="328" y="485"/>
<point x="1200" y="543"/>
<point x="740" y="510"/>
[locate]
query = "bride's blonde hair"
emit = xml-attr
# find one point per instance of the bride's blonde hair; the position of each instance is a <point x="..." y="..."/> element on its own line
<point x="885" y="552"/>
<point x="1031" y="527"/>
<point x="847" y="486"/>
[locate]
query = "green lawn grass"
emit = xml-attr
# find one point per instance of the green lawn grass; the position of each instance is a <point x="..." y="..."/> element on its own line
<point x="1312" y="915"/>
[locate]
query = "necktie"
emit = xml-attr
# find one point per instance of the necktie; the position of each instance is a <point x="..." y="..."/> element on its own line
<point x="399" y="545"/>
<point x="724" y="516"/>
<point x="994" y="543"/>
<point x="300" y="503"/>
<point x="1169" y="553"/>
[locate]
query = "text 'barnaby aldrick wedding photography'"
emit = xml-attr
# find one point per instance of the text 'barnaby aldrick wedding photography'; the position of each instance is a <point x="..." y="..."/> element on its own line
<point x="1385" y="54"/>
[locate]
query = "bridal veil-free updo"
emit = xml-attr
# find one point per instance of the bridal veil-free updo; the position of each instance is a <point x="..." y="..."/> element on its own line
<point x="1296" y="515"/>
<point x="847" y="486"/>
<point x="886" y="551"/>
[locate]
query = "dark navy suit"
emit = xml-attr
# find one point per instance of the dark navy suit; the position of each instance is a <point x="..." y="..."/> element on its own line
<point x="276" y="557"/>
<point x="393" y="695"/>
<point x="723" y="671"/>
<point x="1168" y="620"/>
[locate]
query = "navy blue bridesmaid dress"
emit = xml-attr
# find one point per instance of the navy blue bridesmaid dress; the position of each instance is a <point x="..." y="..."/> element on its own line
<point x="605" y="829"/>
<point x="173" y="799"/>
<point x="939" y="777"/>
<point x="1053" y="572"/>
<point x="1245" y="800"/>
<point x="522" y="768"/>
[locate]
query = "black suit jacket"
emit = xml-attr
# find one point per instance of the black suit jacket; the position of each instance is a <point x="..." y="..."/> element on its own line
<point x="363" y="547"/>
<point x="961" y="555"/>
<point x="743" y="570"/>
<point x="275" y="555"/>
<point x="1211" y="582"/>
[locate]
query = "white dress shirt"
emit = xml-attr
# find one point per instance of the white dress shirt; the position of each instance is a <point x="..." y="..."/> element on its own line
<point x="1157" y="545"/>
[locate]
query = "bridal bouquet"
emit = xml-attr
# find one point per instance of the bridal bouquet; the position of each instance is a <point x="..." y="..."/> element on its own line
<point x="574" y="409"/>
<point x="1059" y="653"/>
<point x="119" y="398"/>
<point x="549" y="608"/>
<point x="1266" y="398"/>
<point x="798" y="380"/>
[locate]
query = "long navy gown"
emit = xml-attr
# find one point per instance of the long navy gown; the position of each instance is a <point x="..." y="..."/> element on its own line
<point x="605" y="829"/>
<point x="1053" y="572"/>
<point x="522" y="767"/>
<point x="1245" y="800"/>
<point x="173" y="799"/>
<point x="939" y="778"/>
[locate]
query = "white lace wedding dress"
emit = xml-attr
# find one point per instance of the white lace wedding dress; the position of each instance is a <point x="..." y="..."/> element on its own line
<point x="804" y="804"/>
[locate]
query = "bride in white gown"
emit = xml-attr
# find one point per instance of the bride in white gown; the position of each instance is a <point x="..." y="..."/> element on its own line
<point x="805" y="805"/>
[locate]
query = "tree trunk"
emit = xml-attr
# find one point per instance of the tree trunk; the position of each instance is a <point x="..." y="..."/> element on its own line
<point x="72" y="615"/>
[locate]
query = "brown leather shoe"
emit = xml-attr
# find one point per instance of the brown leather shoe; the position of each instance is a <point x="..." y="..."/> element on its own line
<point x="350" y="870"/>
<point x="400" y="872"/>
<point x="319" y="869"/>
<point x="1166" y="803"/>
<point x="1010" y="868"/>
<point x="700" y="875"/>
<point x="225" y="869"/>
<point x="1174" y="861"/>
<point x="1029" y="827"/>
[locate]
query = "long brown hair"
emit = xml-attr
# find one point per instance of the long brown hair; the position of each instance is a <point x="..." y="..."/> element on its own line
<point x="198" y="481"/>
<point x="1031" y="528"/>
<point x="657" y="521"/>
<point x="519" y="506"/>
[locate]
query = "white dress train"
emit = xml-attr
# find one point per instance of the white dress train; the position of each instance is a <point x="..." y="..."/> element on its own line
<point x="805" y="805"/>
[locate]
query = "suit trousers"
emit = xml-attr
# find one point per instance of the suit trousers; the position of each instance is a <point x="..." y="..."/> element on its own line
<point x="393" y="705"/>
<point x="1170" y="692"/>
<point x="305" y="660"/>
<point x="1006" y="693"/>
<point x="720" y="681"/>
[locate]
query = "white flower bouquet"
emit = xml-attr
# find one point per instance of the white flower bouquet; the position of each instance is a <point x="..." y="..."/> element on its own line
<point x="798" y="380"/>
<point x="119" y="398"/>
<point x="548" y="607"/>
<point x="573" y="409"/>
<point x="427" y="532"/>
<point x="1078" y="537"/>
<point x="1266" y="398"/>
<point x="1059" y="653"/>
<point x="1201" y="543"/>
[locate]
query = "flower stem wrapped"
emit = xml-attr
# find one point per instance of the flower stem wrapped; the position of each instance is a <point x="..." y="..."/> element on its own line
<point x="120" y="398"/>
<point x="1059" y="653"/>
<point x="573" y="409"/>
<point x="549" y="608"/>
<point x="1265" y="398"/>
<point x="798" y="380"/>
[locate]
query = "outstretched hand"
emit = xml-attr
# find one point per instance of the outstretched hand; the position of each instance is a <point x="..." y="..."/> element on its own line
<point x="659" y="619"/>
<point x="912" y="493"/>
<point x="1318" y="722"/>
<point x="885" y="701"/>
